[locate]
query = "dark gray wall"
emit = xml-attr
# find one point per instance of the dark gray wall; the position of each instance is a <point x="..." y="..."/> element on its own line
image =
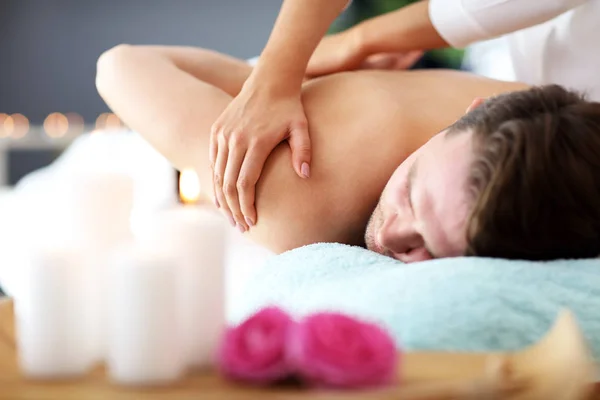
<point x="48" y="48"/>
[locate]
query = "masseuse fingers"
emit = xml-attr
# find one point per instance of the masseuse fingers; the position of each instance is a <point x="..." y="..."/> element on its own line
<point x="249" y="173"/>
<point x="219" y="173"/>
<point x="392" y="61"/>
<point x="237" y="151"/>
<point x="407" y="60"/>
<point x="213" y="144"/>
<point x="299" y="141"/>
<point x="212" y="156"/>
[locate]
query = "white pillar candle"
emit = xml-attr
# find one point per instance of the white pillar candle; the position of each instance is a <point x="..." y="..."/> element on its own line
<point x="99" y="205"/>
<point x="53" y="317"/>
<point x="197" y="236"/>
<point x="144" y="346"/>
<point x="9" y="237"/>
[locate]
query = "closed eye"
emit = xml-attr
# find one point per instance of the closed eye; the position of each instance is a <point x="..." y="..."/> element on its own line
<point x="409" y="183"/>
<point x="409" y="194"/>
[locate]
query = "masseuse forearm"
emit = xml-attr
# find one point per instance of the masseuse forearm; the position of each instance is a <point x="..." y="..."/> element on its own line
<point x="408" y="28"/>
<point x="299" y="28"/>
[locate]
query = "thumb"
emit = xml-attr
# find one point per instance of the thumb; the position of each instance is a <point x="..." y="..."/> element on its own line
<point x="378" y="61"/>
<point x="299" y="141"/>
<point x="405" y="61"/>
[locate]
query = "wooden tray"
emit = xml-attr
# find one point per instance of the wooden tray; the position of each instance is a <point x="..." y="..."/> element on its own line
<point x="565" y="374"/>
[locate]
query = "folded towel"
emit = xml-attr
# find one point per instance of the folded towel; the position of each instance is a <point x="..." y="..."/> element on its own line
<point x="461" y="304"/>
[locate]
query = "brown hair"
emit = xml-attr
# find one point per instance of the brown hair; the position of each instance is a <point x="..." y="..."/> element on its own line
<point x="535" y="178"/>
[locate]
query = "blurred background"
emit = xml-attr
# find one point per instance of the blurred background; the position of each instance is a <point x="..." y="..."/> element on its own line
<point x="360" y="10"/>
<point x="48" y="51"/>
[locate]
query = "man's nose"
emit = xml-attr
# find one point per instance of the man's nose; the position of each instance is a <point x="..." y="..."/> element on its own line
<point x="398" y="234"/>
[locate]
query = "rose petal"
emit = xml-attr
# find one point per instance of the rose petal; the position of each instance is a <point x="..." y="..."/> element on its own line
<point x="254" y="351"/>
<point x="335" y="350"/>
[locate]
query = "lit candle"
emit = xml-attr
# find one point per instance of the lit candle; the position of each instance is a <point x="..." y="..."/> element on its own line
<point x="196" y="235"/>
<point x="53" y="322"/>
<point x="144" y="329"/>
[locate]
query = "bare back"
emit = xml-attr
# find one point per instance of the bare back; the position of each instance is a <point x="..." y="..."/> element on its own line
<point x="362" y="126"/>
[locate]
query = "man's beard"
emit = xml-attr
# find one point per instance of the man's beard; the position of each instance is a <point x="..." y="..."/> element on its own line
<point x="370" y="234"/>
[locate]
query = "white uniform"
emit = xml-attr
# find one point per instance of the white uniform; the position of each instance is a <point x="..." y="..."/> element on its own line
<point x="549" y="41"/>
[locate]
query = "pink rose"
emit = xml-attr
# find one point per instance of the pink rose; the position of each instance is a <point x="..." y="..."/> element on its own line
<point x="255" y="350"/>
<point x="335" y="350"/>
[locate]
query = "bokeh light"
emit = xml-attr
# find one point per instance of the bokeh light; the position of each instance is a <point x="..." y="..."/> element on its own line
<point x="101" y="121"/>
<point x="108" y="121"/>
<point x="3" y="118"/>
<point x="56" y="125"/>
<point x="76" y="123"/>
<point x="113" y="122"/>
<point x="20" y="126"/>
<point x="8" y="126"/>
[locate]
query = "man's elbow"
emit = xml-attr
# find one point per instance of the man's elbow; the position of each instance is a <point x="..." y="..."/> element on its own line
<point x="108" y="65"/>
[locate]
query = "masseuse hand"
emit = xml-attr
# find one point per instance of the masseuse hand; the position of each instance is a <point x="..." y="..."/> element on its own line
<point x="262" y="115"/>
<point x="343" y="52"/>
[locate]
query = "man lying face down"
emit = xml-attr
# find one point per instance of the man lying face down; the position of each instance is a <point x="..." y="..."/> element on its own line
<point x="517" y="177"/>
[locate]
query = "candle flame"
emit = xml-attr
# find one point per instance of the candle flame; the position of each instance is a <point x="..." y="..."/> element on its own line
<point x="189" y="186"/>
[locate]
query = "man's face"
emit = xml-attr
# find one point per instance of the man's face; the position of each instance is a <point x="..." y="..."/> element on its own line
<point x="423" y="209"/>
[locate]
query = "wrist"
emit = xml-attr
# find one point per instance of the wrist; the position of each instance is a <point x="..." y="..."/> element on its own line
<point x="358" y="40"/>
<point x="275" y="81"/>
<point x="261" y="82"/>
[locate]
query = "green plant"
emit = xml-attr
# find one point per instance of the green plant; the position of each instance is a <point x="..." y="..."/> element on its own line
<point x="361" y="10"/>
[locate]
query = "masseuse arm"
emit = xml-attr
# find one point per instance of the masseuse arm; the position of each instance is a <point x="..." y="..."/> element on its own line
<point x="268" y="110"/>
<point x="300" y="26"/>
<point x="402" y="31"/>
<point x="431" y="24"/>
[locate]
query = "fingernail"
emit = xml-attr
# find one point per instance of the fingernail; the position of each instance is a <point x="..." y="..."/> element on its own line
<point x="217" y="202"/>
<point x="305" y="170"/>
<point x="241" y="227"/>
<point x="249" y="221"/>
<point x="232" y="221"/>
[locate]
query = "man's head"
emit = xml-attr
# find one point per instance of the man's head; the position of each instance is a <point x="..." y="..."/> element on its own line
<point x="517" y="177"/>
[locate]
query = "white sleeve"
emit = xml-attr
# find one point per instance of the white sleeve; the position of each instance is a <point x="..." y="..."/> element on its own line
<point x="462" y="22"/>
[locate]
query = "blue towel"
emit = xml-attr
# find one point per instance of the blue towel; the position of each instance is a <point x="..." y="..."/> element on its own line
<point x="459" y="304"/>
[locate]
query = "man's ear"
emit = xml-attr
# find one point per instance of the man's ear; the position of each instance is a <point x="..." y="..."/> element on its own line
<point x="476" y="103"/>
